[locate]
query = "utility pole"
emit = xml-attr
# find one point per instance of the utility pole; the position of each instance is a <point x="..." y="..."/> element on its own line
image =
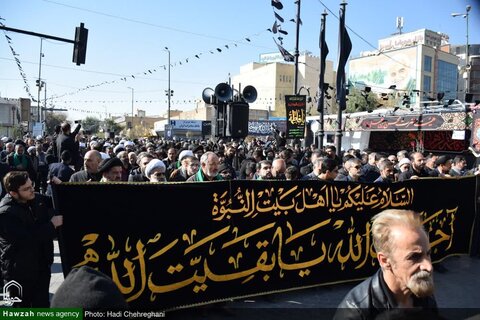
<point x="467" y="53"/>
<point x="133" y="93"/>
<point x="169" y="92"/>
<point x="297" y="20"/>
<point x="44" y="109"/>
<point x="39" y="82"/>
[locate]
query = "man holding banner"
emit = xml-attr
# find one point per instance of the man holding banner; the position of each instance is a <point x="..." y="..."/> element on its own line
<point x="27" y="229"/>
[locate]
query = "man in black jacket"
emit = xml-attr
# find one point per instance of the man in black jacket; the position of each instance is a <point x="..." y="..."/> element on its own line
<point x="67" y="140"/>
<point x="405" y="281"/>
<point x="417" y="168"/>
<point x="91" y="162"/>
<point x="27" y="230"/>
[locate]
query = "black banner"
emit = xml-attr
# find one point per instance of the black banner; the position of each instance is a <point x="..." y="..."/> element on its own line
<point x="296" y="107"/>
<point x="178" y="244"/>
<point x="404" y="122"/>
<point x="264" y="127"/>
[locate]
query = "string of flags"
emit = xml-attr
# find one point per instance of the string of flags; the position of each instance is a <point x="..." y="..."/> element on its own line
<point x="125" y="78"/>
<point x="19" y="64"/>
<point x="177" y="101"/>
<point x="277" y="29"/>
<point x="152" y="70"/>
<point x="71" y="105"/>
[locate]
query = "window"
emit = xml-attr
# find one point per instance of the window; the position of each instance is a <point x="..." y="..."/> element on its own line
<point x="427" y="63"/>
<point x="447" y="79"/>
<point x="427" y="84"/>
<point x="475" y="74"/>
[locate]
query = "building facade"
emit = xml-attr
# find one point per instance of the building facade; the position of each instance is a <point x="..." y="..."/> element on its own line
<point x="274" y="79"/>
<point x="417" y="65"/>
<point x="14" y="117"/>
<point x="472" y="72"/>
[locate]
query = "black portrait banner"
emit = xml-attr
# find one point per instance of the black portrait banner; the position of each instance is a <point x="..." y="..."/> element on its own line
<point x="296" y="107"/>
<point x="175" y="245"/>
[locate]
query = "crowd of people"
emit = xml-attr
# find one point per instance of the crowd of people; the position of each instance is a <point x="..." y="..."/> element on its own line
<point x="29" y="166"/>
<point x="70" y="156"/>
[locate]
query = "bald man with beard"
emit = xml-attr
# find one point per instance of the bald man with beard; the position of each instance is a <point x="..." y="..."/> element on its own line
<point x="91" y="162"/>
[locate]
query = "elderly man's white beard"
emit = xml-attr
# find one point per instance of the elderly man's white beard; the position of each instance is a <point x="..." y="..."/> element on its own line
<point x="421" y="284"/>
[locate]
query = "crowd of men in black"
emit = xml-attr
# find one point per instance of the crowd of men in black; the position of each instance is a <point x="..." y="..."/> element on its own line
<point x="29" y="166"/>
<point x="64" y="154"/>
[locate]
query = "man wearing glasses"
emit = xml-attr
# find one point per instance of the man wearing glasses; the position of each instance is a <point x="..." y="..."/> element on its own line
<point x="354" y="168"/>
<point x="27" y="230"/>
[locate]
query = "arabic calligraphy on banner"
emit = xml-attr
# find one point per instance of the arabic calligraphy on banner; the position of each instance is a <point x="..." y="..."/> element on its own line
<point x="251" y="238"/>
<point x="404" y="122"/>
<point x="264" y="127"/>
<point x="296" y="107"/>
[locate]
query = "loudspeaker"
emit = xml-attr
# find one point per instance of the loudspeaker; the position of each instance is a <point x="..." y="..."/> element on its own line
<point x="218" y="120"/>
<point x="237" y="119"/>
<point x="223" y="92"/>
<point x="249" y="94"/>
<point x="208" y="96"/>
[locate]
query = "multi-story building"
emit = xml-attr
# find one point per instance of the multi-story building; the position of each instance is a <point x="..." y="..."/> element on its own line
<point x="140" y="122"/>
<point x="273" y="79"/>
<point x="472" y="72"/>
<point x="416" y="64"/>
<point x="14" y="117"/>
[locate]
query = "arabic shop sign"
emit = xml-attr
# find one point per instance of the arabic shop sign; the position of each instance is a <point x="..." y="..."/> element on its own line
<point x="193" y="125"/>
<point x="407" y="122"/>
<point x="296" y="116"/>
<point x="252" y="237"/>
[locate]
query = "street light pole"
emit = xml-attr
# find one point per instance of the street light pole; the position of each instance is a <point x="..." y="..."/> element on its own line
<point x="297" y="21"/>
<point x="132" y="104"/>
<point x="169" y="93"/>
<point x="44" y="109"/>
<point x="39" y="83"/>
<point x="467" y="58"/>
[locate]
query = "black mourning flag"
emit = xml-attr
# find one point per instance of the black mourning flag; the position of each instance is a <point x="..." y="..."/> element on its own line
<point x="278" y="17"/>
<point x="323" y="59"/>
<point x="277" y="4"/>
<point x="345" y="47"/>
<point x="287" y="56"/>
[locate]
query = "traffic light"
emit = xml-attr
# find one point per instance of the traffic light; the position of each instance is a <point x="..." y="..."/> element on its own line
<point x="80" y="45"/>
<point x="171" y="93"/>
